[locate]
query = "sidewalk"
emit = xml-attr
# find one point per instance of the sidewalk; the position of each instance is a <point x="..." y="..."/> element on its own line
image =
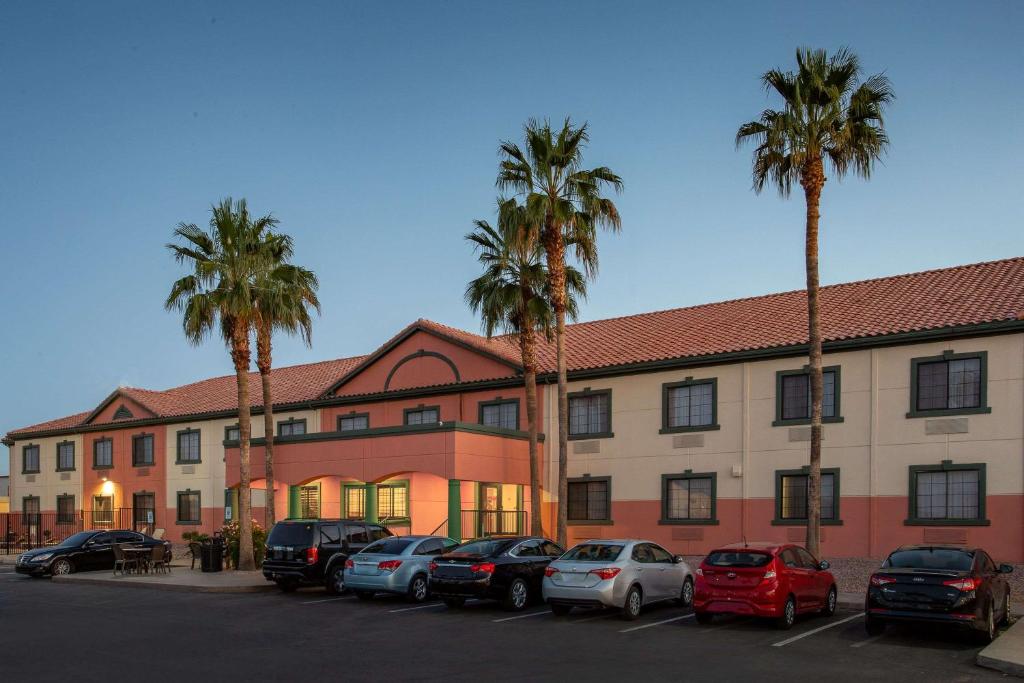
<point x="1006" y="653"/>
<point x="180" y="579"/>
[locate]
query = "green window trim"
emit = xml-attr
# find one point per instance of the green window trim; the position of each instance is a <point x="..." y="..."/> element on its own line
<point x="61" y="517"/>
<point x="227" y="433"/>
<point x="945" y="466"/>
<point x="376" y="518"/>
<point x="498" y="401"/>
<point x="666" y="391"/>
<point x="587" y="392"/>
<point x="398" y="484"/>
<point x="73" y="456"/>
<point x="805" y="370"/>
<point x="199" y="506"/>
<point x="177" y="444"/>
<point x="292" y="421"/>
<point x="420" y="408"/>
<point x="24" y="456"/>
<point x="689" y="474"/>
<point x="836" y="520"/>
<point x="95" y="454"/>
<point x="141" y="439"/>
<point x="983" y="406"/>
<point x="586" y="479"/>
<point x="352" y="415"/>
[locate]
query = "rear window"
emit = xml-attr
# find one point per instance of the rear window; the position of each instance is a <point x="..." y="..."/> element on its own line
<point x="742" y="558"/>
<point x="482" y="547"/>
<point x="389" y="546"/>
<point x="931" y="558"/>
<point x="291" y="534"/>
<point x="594" y="552"/>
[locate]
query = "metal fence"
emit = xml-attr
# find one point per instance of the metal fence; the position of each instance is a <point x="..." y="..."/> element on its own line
<point x="21" y="531"/>
<point x="492" y="522"/>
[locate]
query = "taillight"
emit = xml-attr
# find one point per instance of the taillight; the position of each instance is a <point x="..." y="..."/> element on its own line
<point x="877" y="580"/>
<point x="964" y="585"/>
<point x="769" y="575"/>
<point x="349" y="564"/>
<point x="482" y="567"/>
<point x="312" y="554"/>
<point x="389" y="565"/>
<point x="700" y="572"/>
<point x="550" y="571"/>
<point x="432" y="566"/>
<point x="606" y="573"/>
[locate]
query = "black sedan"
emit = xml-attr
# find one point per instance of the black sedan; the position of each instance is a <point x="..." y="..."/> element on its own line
<point x="943" y="584"/>
<point x="83" y="551"/>
<point x="506" y="568"/>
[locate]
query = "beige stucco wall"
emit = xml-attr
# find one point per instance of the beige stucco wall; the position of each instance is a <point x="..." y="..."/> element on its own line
<point x="48" y="483"/>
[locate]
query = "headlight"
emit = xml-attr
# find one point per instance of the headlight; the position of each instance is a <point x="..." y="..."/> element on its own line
<point x="42" y="558"/>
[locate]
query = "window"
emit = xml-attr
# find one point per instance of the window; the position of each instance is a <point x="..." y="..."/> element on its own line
<point x="791" y="496"/>
<point x="590" y="500"/>
<point x="947" y="494"/>
<point x="144" y="511"/>
<point x="188" y="446"/>
<point x="291" y="427"/>
<point x="690" y="405"/>
<point x="309" y="502"/>
<point x="66" y="456"/>
<point x="355" y="501"/>
<point x="356" y="533"/>
<point x="330" y="534"/>
<point x="431" y="546"/>
<point x="659" y="554"/>
<point x="233" y="433"/>
<point x="392" y="501"/>
<point x="422" y="416"/>
<point x="103" y="510"/>
<point x="549" y="549"/>
<point x="793" y="396"/>
<point x="688" y="498"/>
<point x="29" y="459"/>
<point x="189" y="507"/>
<point x="377" y="532"/>
<point x="348" y="423"/>
<point x="65" y="509"/>
<point x="498" y="413"/>
<point x="102" y="454"/>
<point x="142" y="450"/>
<point x="590" y="414"/>
<point x="30" y="510"/>
<point x="949" y="384"/>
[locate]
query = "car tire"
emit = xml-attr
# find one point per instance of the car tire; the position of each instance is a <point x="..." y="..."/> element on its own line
<point x="685" y="598"/>
<point x="1005" y="620"/>
<point x="335" y="583"/>
<point x="634" y="603"/>
<point x="560" y="610"/>
<point x="364" y="595"/>
<point x="703" y="618"/>
<point x="830" y="602"/>
<point x="62" y="566"/>
<point x="517" y="597"/>
<point x="419" y="590"/>
<point x="989" y="629"/>
<point x="788" y="616"/>
<point x="454" y="603"/>
<point x="287" y="586"/>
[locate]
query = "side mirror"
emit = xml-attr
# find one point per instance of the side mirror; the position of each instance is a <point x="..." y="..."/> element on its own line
<point x="823" y="565"/>
<point x="1006" y="569"/>
<point x="677" y="559"/>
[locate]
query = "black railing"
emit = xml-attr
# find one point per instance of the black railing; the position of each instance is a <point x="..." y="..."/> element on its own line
<point x="476" y="523"/>
<point x="21" y="531"/>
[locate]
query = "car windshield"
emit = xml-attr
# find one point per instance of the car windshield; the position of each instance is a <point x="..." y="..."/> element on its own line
<point x="931" y="558"/>
<point x="389" y="546"/>
<point x="738" y="558"/>
<point x="290" y="533"/>
<point x="594" y="552"/>
<point x="76" y="540"/>
<point x="482" y="547"/>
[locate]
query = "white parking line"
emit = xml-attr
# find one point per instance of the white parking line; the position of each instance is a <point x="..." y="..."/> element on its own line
<point x="433" y="605"/>
<point x="657" y="623"/>
<point x="787" y="641"/>
<point x="521" y="616"/>
<point x="868" y="640"/>
<point x="315" y="602"/>
<point x="603" y="615"/>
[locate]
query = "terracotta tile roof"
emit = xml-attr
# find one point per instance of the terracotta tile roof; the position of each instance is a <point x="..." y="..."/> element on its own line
<point x="963" y="295"/>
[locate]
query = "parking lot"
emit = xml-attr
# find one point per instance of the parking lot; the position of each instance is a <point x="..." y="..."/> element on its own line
<point x="54" y="631"/>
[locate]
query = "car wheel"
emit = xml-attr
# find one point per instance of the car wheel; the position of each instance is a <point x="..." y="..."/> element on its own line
<point x="418" y="591"/>
<point x="988" y="634"/>
<point x="287" y="586"/>
<point x="364" y="595"/>
<point x="454" y="603"/>
<point x="516" y="598"/>
<point x="686" y="594"/>
<point x="335" y="583"/>
<point x="874" y="626"/>
<point x="560" y="610"/>
<point x="1005" y="620"/>
<point x="62" y="567"/>
<point x="830" y="602"/>
<point x="703" y="618"/>
<point x="788" y="617"/>
<point x="634" y="602"/>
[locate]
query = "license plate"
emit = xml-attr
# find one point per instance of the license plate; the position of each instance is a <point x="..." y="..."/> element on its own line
<point x="366" y="568"/>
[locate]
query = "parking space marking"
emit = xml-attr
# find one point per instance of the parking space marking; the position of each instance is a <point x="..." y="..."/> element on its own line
<point x="521" y="616"/>
<point x="603" y="615"/>
<point x="315" y="602"/>
<point x="657" y="623"/>
<point x="409" y="609"/>
<point x="787" y="641"/>
<point x="868" y="640"/>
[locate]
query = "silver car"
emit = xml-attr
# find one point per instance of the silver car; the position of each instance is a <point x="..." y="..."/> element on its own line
<point x="625" y="574"/>
<point x="397" y="564"/>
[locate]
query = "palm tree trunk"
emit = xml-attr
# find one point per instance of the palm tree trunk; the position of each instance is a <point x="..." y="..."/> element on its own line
<point x="240" y="356"/>
<point x="264" y="363"/>
<point x="527" y="347"/>
<point x="813" y="180"/>
<point x="554" y="247"/>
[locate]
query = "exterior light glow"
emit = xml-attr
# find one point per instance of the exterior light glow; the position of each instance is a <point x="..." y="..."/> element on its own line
<point x="108" y="488"/>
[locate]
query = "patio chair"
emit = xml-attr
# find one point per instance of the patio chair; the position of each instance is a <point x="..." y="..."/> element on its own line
<point x="158" y="560"/>
<point x="194" y="548"/>
<point x="158" y="534"/>
<point x="122" y="562"/>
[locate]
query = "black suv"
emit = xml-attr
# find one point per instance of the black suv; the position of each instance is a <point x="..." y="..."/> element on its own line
<point x="311" y="552"/>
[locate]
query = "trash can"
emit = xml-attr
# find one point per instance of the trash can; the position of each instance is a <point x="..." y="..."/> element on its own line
<point x="211" y="556"/>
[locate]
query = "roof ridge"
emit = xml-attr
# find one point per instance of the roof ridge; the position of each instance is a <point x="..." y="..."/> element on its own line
<point x="254" y="372"/>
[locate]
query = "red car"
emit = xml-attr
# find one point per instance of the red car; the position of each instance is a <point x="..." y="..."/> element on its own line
<point x="777" y="580"/>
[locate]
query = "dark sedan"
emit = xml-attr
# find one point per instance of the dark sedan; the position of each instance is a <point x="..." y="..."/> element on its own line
<point x="509" y="569"/>
<point x="84" y="551"/>
<point x="944" y="584"/>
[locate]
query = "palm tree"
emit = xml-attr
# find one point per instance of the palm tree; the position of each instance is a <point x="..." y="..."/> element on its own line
<point x="220" y="288"/>
<point x="566" y="201"/>
<point x="512" y="296"/>
<point x="284" y="294"/>
<point x="828" y="117"/>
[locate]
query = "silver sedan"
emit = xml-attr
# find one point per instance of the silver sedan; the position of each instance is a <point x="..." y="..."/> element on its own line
<point x="397" y="564"/>
<point x="625" y="574"/>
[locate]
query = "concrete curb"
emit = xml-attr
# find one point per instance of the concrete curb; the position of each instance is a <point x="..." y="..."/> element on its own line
<point x="1006" y="653"/>
<point x="176" y="587"/>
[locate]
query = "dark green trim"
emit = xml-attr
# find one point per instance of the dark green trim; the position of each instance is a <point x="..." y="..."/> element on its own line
<point x="945" y="466"/>
<point x="689" y="474"/>
<point x="177" y="445"/>
<point x="353" y="414"/>
<point x="122" y="413"/>
<point x="228" y="428"/>
<point x="587" y="392"/>
<point x="397" y="521"/>
<point x="373" y="432"/>
<point x="422" y="354"/>
<point x="345" y="485"/>
<point x="805" y="471"/>
<point x="177" y="501"/>
<point x="69" y="519"/>
<point x="667" y="388"/>
<point x="135" y="440"/>
<point x="590" y="522"/>
<point x="497" y="402"/>
<point x="66" y="442"/>
<point x="419" y="408"/>
<point x="39" y="462"/>
<point x="319" y="498"/>
<point x="983" y="406"/>
<point x="455" y="509"/>
<point x="292" y="421"/>
<point x="779" y="422"/>
<point x="95" y="445"/>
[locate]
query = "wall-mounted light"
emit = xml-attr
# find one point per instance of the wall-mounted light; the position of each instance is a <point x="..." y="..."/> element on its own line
<point x="108" y="487"/>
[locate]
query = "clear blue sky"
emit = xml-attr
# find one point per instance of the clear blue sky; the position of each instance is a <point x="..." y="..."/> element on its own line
<point x="371" y="131"/>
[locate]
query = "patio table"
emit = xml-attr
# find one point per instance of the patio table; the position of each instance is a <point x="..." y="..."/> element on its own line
<point x="141" y="556"/>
